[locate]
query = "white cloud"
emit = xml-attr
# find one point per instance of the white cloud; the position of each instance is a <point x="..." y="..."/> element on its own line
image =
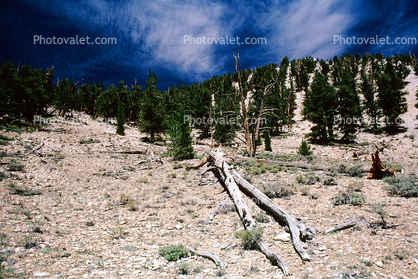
<point x="307" y="27"/>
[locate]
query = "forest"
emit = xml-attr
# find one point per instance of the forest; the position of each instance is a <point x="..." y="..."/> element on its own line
<point x="347" y="94"/>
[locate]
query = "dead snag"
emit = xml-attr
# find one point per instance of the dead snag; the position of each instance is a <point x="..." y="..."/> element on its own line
<point x="378" y="170"/>
<point x="297" y="229"/>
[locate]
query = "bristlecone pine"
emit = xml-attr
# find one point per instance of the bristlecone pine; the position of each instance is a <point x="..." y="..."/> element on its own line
<point x="378" y="170"/>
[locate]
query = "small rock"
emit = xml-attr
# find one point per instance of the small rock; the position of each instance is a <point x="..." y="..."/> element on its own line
<point x="322" y="248"/>
<point x="223" y="246"/>
<point x="379" y="264"/>
<point x="316" y="252"/>
<point x="179" y="227"/>
<point x="283" y="237"/>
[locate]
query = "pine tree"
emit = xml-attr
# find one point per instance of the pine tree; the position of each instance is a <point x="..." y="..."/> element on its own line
<point x="201" y="103"/>
<point x="320" y="106"/>
<point x="134" y="100"/>
<point x="7" y="78"/>
<point x="309" y="64"/>
<point x="370" y="104"/>
<point x="122" y="104"/>
<point x="348" y="101"/>
<point x="324" y="67"/>
<point x="152" y="120"/>
<point x="61" y="96"/>
<point x="304" y="149"/>
<point x="267" y="141"/>
<point x="392" y="100"/>
<point x="180" y="136"/>
<point x="226" y="108"/>
<point x="107" y="102"/>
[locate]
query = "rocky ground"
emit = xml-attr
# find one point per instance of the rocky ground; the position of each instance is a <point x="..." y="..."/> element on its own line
<point x="88" y="210"/>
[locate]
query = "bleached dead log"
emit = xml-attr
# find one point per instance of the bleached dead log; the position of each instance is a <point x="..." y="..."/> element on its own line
<point x="35" y="149"/>
<point x="341" y="227"/>
<point x="297" y="229"/>
<point x="221" y="170"/>
<point x="214" y="258"/>
<point x="219" y="208"/>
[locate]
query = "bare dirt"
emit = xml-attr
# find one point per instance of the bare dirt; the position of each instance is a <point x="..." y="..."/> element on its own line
<point x="100" y="213"/>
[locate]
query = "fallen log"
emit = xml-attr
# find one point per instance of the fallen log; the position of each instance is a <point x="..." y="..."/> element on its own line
<point x="35" y="149"/>
<point x="246" y="219"/>
<point x="222" y="205"/>
<point x="214" y="258"/>
<point x="297" y="229"/>
<point x="233" y="184"/>
<point x="341" y="227"/>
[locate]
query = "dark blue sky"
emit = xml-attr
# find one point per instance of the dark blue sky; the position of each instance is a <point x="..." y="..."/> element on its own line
<point x="151" y="34"/>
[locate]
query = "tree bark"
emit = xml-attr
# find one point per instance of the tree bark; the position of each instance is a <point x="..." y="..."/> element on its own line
<point x="297" y="229"/>
<point x="243" y="108"/>
<point x="221" y="170"/>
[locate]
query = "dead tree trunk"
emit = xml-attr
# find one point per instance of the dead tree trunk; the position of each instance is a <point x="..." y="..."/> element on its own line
<point x="233" y="184"/>
<point x="243" y="108"/>
<point x="221" y="170"/>
<point x="297" y="229"/>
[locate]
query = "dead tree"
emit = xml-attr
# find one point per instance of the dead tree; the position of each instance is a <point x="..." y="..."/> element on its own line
<point x="378" y="170"/>
<point x="251" y="140"/>
<point x="233" y="185"/>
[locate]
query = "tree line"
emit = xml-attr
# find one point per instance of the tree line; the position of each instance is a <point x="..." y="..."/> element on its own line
<point x="344" y="92"/>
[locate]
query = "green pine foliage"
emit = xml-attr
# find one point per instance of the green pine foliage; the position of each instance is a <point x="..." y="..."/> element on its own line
<point x="180" y="135"/>
<point x="304" y="149"/>
<point x="24" y="91"/>
<point x="226" y="108"/>
<point x="320" y="107"/>
<point x="309" y="63"/>
<point x="122" y="98"/>
<point x="179" y="109"/>
<point x="107" y="102"/>
<point x="348" y="101"/>
<point x="391" y="98"/>
<point x="370" y="105"/>
<point x="201" y="106"/>
<point x="324" y="67"/>
<point x="152" y="118"/>
<point x="133" y="102"/>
